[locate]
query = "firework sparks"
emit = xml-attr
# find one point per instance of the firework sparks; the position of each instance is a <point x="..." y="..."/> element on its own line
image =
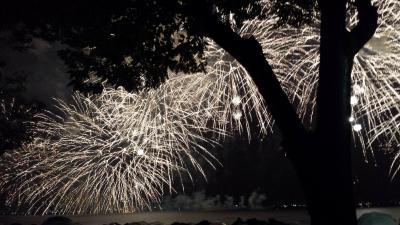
<point x="375" y="100"/>
<point x="294" y="55"/>
<point x="118" y="151"/>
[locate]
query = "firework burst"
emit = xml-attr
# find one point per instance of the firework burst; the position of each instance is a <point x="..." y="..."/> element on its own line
<point x="294" y="55"/>
<point x="116" y="152"/>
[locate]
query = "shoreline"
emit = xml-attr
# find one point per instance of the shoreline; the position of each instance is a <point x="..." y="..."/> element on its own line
<point x="297" y="216"/>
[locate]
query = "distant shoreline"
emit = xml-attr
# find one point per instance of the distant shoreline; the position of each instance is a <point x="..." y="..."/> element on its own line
<point x="292" y="215"/>
<point x="293" y="206"/>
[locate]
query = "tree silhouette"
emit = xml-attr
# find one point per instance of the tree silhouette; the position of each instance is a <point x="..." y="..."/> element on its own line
<point x="121" y="41"/>
<point x="15" y="113"/>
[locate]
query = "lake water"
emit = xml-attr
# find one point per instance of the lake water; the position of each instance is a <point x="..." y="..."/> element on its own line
<point x="293" y="216"/>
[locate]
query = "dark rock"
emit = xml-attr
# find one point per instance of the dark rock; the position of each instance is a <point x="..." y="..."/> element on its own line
<point x="376" y="218"/>
<point x="138" y="223"/>
<point x="177" y="223"/>
<point x="58" y="220"/>
<point x="204" y="222"/>
<point x="273" y="221"/>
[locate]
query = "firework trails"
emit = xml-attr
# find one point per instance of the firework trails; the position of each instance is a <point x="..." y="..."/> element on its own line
<point x="118" y="151"/>
<point x="115" y="152"/>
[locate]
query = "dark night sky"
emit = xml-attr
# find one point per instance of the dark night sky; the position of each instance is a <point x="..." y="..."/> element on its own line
<point x="248" y="166"/>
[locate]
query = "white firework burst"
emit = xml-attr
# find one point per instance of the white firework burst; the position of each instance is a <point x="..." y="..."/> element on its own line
<point x="116" y="152"/>
<point x="294" y="55"/>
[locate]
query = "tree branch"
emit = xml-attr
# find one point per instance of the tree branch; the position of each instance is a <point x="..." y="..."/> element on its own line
<point x="365" y="29"/>
<point x="248" y="52"/>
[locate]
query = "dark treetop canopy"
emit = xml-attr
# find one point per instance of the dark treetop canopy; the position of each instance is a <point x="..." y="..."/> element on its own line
<point x="133" y="43"/>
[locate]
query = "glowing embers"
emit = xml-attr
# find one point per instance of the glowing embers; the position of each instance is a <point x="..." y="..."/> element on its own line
<point x="236" y="100"/>
<point x="357" y="127"/>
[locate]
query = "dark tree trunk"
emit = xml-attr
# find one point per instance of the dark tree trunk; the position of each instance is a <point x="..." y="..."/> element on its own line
<point x="322" y="159"/>
<point x="330" y="197"/>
